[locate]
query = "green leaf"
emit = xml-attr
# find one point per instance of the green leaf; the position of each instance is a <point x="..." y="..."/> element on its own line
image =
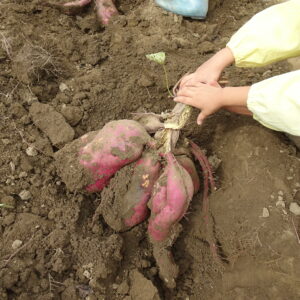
<point x="158" y="57"/>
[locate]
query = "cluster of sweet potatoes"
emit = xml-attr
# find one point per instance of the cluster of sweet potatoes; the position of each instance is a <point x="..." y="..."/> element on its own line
<point x="162" y="183"/>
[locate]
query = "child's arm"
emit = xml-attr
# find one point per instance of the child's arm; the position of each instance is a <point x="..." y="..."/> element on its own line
<point x="270" y="36"/>
<point x="211" y="97"/>
<point x="274" y="102"/>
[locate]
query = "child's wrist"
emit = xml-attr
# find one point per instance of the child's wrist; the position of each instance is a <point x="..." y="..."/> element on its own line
<point x="234" y="96"/>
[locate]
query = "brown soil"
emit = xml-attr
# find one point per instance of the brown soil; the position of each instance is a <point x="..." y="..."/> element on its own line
<point x="86" y="75"/>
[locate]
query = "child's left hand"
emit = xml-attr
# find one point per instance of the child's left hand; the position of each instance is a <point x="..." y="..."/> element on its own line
<point x="207" y="97"/>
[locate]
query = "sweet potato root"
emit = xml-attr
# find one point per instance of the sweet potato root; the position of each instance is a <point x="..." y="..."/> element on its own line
<point x="179" y="193"/>
<point x="118" y="143"/>
<point x="146" y="172"/>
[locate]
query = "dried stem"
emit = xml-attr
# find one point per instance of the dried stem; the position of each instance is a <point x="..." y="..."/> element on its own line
<point x="6" y="45"/>
<point x="296" y="231"/>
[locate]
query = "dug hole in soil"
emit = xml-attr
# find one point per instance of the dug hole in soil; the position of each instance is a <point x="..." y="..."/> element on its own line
<point x="63" y="76"/>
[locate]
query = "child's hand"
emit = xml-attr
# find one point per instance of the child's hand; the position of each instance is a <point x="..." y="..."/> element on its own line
<point x="207" y="97"/>
<point x="211" y="97"/>
<point x="206" y="73"/>
<point x="211" y="70"/>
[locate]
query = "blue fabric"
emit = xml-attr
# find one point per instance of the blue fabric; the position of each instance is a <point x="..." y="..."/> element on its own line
<point x="196" y="9"/>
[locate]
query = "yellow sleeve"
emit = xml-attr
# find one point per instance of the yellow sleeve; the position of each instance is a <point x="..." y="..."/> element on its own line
<point x="269" y="36"/>
<point x="275" y="102"/>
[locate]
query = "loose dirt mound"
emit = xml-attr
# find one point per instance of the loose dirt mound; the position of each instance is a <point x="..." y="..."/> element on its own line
<point x="69" y="75"/>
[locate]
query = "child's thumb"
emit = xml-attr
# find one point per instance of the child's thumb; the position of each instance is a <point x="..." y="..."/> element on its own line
<point x="201" y="117"/>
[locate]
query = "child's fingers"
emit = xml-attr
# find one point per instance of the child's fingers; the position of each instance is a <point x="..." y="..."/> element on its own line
<point x="186" y="92"/>
<point x="201" y="117"/>
<point x="184" y="100"/>
<point x="185" y="79"/>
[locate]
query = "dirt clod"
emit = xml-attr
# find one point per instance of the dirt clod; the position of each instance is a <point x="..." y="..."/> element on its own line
<point x="51" y="123"/>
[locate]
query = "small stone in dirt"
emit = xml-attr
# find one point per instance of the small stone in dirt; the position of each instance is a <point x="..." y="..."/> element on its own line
<point x="295" y="208"/>
<point x="265" y="213"/>
<point x="23" y="174"/>
<point x="280" y="198"/>
<point x="25" y="195"/>
<point x="280" y="203"/>
<point x="5" y="141"/>
<point x="12" y="167"/>
<point x="31" y="151"/>
<point x="87" y="274"/>
<point x="16" y="244"/>
<point x="63" y="87"/>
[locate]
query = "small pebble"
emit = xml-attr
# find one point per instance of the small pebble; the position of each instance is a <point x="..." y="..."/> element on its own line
<point x="23" y="174"/>
<point x="63" y="87"/>
<point x="16" y="244"/>
<point x="31" y="151"/>
<point x="25" y="195"/>
<point x="87" y="274"/>
<point x="5" y="141"/>
<point x="12" y="166"/>
<point x="295" y="208"/>
<point x="280" y="203"/>
<point x="265" y="213"/>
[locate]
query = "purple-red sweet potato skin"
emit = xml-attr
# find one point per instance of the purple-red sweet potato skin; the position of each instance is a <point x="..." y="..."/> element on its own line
<point x="159" y="194"/>
<point x="146" y="172"/>
<point x="189" y="165"/>
<point x="118" y="143"/>
<point x="179" y="193"/>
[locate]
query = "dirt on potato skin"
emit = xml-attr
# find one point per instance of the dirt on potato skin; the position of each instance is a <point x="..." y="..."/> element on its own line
<point x="91" y="75"/>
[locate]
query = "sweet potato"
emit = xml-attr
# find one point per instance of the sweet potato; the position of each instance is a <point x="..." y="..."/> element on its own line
<point x="179" y="193"/>
<point x="105" y="10"/>
<point x="189" y="165"/>
<point x="118" y="143"/>
<point x="159" y="194"/>
<point x="146" y="172"/>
